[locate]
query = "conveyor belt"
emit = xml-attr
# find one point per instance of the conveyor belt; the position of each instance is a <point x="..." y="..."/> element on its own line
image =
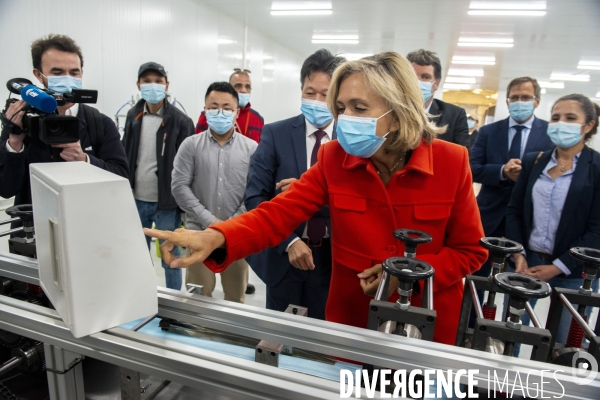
<point x="301" y="365"/>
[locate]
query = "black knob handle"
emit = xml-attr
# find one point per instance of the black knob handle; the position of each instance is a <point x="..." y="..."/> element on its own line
<point x="23" y="211"/>
<point x="412" y="238"/>
<point x="408" y="269"/>
<point x="500" y="248"/>
<point x="522" y="286"/>
<point x="586" y="254"/>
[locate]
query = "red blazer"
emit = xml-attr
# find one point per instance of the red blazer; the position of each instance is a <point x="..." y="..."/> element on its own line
<point x="432" y="193"/>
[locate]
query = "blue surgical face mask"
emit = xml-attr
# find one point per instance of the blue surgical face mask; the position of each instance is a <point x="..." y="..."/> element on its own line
<point x="521" y="110"/>
<point x="153" y="92"/>
<point x="244" y="99"/>
<point x="357" y="135"/>
<point x="63" y="83"/>
<point x="219" y="123"/>
<point x="426" y="90"/>
<point x="470" y="123"/>
<point x="316" y="112"/>
<point x="564" y="134"/>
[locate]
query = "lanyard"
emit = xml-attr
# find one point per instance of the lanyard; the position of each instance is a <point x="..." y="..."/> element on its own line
<point x="245" y="131"/>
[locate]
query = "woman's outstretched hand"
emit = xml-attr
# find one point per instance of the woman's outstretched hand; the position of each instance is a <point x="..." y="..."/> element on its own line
<point x="199" y="244"/>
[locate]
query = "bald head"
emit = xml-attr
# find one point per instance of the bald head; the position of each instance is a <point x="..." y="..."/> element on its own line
<point x="241" y="82"/>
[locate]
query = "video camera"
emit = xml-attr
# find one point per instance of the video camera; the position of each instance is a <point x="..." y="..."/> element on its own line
<point x="41" y="120"/>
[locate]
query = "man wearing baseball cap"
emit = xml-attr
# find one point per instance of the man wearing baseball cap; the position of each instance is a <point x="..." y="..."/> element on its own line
<point x="154" y="129"/>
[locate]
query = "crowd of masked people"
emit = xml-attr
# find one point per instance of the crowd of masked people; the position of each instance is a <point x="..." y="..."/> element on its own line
<point x="316" y="234"/>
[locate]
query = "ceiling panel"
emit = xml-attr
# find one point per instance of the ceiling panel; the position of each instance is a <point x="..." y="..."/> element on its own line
<point x="556" y="42"/>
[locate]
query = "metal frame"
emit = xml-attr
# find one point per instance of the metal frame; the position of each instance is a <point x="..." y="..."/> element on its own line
<point x="239" y="378"/>
<point x="561" y="301"/>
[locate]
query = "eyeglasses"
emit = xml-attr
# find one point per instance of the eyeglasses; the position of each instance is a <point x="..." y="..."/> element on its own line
<point x="242" y="70"/>
<point x="526" y="97"/>
<point x="215" y="111"/>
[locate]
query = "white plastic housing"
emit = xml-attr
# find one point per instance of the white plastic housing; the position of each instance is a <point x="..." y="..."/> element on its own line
<point x="94" y="263"/>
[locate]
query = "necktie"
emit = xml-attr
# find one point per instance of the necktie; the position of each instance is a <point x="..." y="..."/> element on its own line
<point x="515" y="146"/>
<point x="316" y="226"/>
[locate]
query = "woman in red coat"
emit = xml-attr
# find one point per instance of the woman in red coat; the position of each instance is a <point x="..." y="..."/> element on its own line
<point x="386" y="171"/>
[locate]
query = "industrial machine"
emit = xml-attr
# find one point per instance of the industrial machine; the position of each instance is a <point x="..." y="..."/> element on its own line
<point x="212" y="348"/>
<point x="402" y="318"/>
<point x="563" y="300"/>
<point x="500" y="337"/>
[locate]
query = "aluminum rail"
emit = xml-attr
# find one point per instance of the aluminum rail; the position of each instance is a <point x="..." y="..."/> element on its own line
<point x="19" y="268"/>
<point x="196" y="368"/>
<point x="371" y="347"/>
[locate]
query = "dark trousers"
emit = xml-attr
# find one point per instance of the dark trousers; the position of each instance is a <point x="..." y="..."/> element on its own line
<point x="304" y="288"/>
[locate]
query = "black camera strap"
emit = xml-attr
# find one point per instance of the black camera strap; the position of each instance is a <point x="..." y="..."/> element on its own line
<point x="95" y="127"/>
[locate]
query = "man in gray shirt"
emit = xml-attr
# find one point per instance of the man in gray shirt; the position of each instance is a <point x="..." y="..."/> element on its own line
<point x="209" y="182"/>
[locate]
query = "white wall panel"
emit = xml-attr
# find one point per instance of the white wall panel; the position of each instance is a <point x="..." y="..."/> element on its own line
<point x="196" y="44"/>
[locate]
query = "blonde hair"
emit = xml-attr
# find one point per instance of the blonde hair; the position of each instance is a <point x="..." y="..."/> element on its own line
<point x="391" y="76"/>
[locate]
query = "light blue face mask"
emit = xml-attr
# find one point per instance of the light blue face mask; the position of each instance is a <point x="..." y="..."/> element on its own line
<point x="244" y="99"/>
<point x="470" y="123"/>
<point x="63" y="83"/>
<point x="316" y="112"/>
<point x="219" y="123"/>
<point x="520" y="111"/>
<point x="153" y="92"/>
<point x="426" y="90"/>
<point x="564" y="134"/>
<point x="357" y="135"/>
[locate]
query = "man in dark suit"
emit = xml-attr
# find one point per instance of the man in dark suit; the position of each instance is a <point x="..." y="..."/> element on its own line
<point x="298" y="270"/>
<point x="428" y="68"/>
<point x="497" y="152"/>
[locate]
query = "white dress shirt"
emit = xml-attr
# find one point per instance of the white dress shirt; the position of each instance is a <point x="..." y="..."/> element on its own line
<point x="311" y="140"/>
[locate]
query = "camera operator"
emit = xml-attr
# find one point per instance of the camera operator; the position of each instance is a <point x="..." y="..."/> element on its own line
<point x="57" y="64"/>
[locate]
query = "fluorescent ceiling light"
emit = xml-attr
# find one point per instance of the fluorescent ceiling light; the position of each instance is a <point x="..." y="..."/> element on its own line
<point x="225" y="41"/>
<point x="355" y="56"/>
<point x="330" y="37"/>
<point x="519" y="13"/>
<point x="512" y="5"/>
<point x="521" y="8"/>
<point x="301" y="5"/>
<point x="457" y="79"/>
<point x="466" y="44"/>
<point x="552" y="85"/>
<point x="474" y="60"/>
<point x="486" y="40"/>
<point x="301" y="8"/>
<point x="569" y="77"/>
<point x="465" y="72"/>
<point x="598" y="94"/>
<point x="457" y="86"/>
<point x="589" y="65"/>
<point x="543" y="91"/>
<point x="301" y="12"/>
<point x="339" y="41"/>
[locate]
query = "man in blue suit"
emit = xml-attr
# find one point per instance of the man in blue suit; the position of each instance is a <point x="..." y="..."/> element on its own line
<point x="298" y="270"/>
<point x="497" y="152"/>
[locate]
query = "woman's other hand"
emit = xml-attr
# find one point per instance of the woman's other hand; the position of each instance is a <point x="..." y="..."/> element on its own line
<point x="520" y="263"/>
<point x="543" y="272"/>
<point x="199" y="244"/>
<point x="370" y="278"/>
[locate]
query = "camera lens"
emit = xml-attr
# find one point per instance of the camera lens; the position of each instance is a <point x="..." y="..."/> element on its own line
<point x="55" y="128"/>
